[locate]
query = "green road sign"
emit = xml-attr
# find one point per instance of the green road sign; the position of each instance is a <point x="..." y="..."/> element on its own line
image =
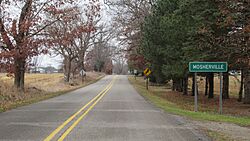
<point x="208" y="67"/>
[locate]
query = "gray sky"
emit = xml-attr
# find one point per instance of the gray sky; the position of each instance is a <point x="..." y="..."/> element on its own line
<point x="47" y="60"/>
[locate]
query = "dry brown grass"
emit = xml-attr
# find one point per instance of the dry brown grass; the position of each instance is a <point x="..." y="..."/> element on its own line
<point x="234" y="85"/>
<point x="38" y="86"/>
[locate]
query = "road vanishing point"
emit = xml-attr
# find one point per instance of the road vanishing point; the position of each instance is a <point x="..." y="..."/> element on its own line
<point x="109" y="110"/>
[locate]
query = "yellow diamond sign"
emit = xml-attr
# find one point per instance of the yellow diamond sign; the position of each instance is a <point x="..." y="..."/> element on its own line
<point x="147" y="72"/>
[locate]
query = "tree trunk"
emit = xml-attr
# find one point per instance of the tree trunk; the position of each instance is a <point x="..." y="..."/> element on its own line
<point x="225" y="90"/>
<point x="182" y="85"/>
<point x="82" y="67"/>
<point x="22" y="71"/>
<point x="19" y="73"/>
<point x="185" y="84"/>
<point x="246" y="99"/>
<point x="211" y="85"/>
<point x="68" y="70"/>
<point x="173" y="85"/>
<point x="241" y="86"/>
<point x="179" y="85"/>
<point x="206" y="85"/>
<point x="193" y="85"/>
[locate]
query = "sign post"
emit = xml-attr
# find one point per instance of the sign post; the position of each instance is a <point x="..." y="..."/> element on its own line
<point x="147" y="83"/>
<point x="221" y="81"/>
<point x="147" y="72"/>
<point x="208" y="67"/>
<point x="195" y="93"/>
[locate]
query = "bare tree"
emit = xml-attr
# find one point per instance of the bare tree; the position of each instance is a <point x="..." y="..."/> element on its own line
<point x="82" y="42"/>
<point x="120" y="65"/>
<point x="72" y="36"/>
<point x="128" y="18"/>
<point x="100" y="57"/>
<point x="61" y="36"/>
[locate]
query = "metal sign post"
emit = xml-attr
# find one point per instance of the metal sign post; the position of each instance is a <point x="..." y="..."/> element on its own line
<point x="147" y="83"/>
<point x="195" y="93"/>
<point x="221" y="82"/>
<point x="147" y="72"/>
<point x="208" y="67"/>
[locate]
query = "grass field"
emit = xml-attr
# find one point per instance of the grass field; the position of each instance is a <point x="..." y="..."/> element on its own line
<point x="176" y="103"/>
<point x="38" y="87"/>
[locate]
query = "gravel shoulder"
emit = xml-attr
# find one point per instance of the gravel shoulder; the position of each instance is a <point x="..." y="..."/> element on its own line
<point x="227" y="130"/>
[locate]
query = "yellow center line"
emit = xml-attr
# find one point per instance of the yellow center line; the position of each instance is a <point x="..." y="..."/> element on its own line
<point x="64" y="135"/>
<point x="57" y="130"/>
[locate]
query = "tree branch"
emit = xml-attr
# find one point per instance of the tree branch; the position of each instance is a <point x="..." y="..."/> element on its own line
<point x="5" y="36"/>
<point x="40" y="30"/>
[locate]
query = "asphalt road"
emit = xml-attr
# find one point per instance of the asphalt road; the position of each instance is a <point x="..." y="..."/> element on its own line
<point x="109" y="110"/>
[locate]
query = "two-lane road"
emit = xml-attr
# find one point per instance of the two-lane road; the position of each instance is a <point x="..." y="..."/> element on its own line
<point x="109" y="110"/>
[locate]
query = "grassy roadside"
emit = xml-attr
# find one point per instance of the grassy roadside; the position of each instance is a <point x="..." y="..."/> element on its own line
<point x="217" y="136"/>
<point x="45" y="96"/>
<point x="175" y="109"/>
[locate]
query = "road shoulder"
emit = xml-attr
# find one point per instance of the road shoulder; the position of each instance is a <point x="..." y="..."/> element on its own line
<point x="215" y="129"/>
